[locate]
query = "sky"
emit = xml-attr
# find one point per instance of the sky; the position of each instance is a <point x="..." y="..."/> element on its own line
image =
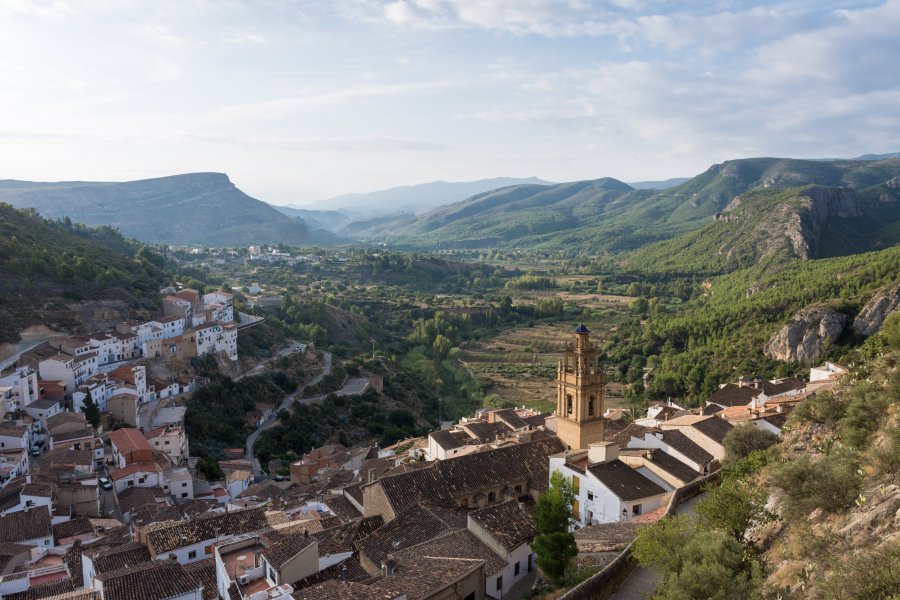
<point x="302" y="100"/>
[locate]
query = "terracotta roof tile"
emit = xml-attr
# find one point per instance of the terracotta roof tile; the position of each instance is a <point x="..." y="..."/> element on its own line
<point x="511" y="523"/>
<point x="445" y="480"/>
<point x="457" y="543"/>
<point x="414" y="526"/>
<point x="26" y="525"/>
<point x="155" y="580"/>
<point x="177" y="535"/>
<point x="714" y="428"/>
<point x="204" y="571"/>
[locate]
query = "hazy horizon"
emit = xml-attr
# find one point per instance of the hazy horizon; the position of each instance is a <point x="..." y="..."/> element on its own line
<point x="303" y="101"/>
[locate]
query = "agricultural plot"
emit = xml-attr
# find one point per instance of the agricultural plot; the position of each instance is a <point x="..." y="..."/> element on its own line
<point x="520" y="365"/>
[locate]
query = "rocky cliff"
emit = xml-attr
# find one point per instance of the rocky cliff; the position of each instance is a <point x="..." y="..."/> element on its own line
<point x="876" y="310"/>
<point x="807" y="336"/>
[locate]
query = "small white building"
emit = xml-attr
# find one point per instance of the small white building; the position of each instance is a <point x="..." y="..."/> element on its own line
<point x="606" y="489"/>
<point x="21" y="389"/>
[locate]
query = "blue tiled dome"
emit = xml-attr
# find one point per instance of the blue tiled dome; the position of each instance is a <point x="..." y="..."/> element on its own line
<point x="582" y="329"/>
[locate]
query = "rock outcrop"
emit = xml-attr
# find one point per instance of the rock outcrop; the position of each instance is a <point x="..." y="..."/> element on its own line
<point x="876" y="310"/>
<point x="806" y="336"/>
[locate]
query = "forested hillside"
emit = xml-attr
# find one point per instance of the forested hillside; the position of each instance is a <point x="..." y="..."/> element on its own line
<point x="46" y="265"/>
<point x="720" y="334"/>
<point x="777" y="225"/>
<point x="606" y="215"/>
<point x="813" y="516"/>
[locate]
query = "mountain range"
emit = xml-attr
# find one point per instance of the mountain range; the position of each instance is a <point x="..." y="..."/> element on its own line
<point x="733" y="214"/>
<point x="195" y="208"/>
<point x="414" y="199"/>
<point x="607" y="215"/>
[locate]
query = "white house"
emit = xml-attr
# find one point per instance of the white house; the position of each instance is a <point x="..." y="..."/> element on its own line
<point x="22" y="389"/>
<point x="172" y="440"/>
<point x="145" y="474"/>
<point x="606" y="489"/>
<point x="508" y="529"/>
<point x="827" y="372"/>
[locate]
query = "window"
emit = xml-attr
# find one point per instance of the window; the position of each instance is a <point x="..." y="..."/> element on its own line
<point x="590" y="495"/>
<point x="636" y="509"/>
<point x="167" y="442"/>
<point x="591" y="406"/>
<point x="516" y="569"/>
<point x="184" y="494"/>
<point x="184" y="484"/>
<point x="576" y="484"/>
<point x="142" y="480"/>
<point x="131" y="482"/>
<point x="569" y="404"/>
<point x="192" y="555"/>
<point x="492" y="496"/>
<point x="500" y="582"/>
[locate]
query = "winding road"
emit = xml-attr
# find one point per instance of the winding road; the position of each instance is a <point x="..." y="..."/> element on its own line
<point x="285" y="404"/>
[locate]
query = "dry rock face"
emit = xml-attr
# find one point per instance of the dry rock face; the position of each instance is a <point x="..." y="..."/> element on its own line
<point x="876" y="310"/>
<point x="804" y="338"/>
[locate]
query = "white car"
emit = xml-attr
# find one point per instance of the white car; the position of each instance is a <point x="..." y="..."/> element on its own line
<point x="105" y="483"/>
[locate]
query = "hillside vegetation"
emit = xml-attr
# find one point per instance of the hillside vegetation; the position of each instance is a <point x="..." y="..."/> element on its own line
<point x="811" y="517"/>
<point x="196" y="208"/>
<point x="47" y="265"/>
<point x="778" y="225"/>
<point x="720" y="334"/>
<point x="606" y="215"/>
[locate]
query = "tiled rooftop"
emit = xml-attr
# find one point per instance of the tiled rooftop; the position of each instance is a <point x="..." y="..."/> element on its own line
<point x="511" y="523"/>
<point x="455" y="544"/>
<point x="155" y="580"/>
<point x="623" y="481"/>
<point x="444" y="481"/>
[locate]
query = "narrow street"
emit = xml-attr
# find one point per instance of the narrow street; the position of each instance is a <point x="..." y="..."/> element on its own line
<point x="285" y="404"/>
<point x="642" y="582"/>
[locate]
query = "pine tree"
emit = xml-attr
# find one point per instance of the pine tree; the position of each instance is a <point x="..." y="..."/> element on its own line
<point x="91" y="410"/>
<point x="555" y="547"/>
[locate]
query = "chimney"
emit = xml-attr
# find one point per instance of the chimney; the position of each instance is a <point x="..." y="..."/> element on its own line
<point x="602" y="452"/>
<point x="778" y="409"/>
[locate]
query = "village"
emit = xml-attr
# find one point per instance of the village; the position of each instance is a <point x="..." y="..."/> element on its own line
<point x="124" y="515"/>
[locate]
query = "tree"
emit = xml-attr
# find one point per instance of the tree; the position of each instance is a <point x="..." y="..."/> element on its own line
<point x="658" y="545"/>
<point x="734" y="507"/>
<point x="91" y="410"/>
<point x="744" y="439"/>
<point x="714" y="566"/>
<point x="555" y="547"/>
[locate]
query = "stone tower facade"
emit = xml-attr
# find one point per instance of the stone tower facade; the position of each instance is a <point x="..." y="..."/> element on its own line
<point x="579" y="393"/>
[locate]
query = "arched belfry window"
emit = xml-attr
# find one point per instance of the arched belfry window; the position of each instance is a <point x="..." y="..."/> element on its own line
<point x="591" y="406"/>
<point x="569" y="404"/>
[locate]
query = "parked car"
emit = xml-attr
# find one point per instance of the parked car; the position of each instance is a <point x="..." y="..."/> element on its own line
<point x="105" y="483"/>
<point x="35" y="450"/>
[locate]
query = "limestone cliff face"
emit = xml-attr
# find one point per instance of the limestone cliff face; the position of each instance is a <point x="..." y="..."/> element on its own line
<point x="804" y="339"/>
<point x="789" y="226"/>
<point x="876" y="310"/>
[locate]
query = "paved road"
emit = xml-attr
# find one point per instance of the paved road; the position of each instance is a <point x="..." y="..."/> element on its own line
<point x="642" y="582"/>
<point x="285" y="404"/>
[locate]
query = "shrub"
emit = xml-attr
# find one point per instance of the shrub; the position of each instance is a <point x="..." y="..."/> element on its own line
<point x="742" y="440"/>
<point x="734" y="507"/>
<point x="823" y="407"/>
<point x="831" y="483"/>
<point x="870" y="574"/>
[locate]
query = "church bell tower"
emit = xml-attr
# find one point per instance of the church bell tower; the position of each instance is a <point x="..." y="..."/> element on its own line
<point x="579" y="393"/>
